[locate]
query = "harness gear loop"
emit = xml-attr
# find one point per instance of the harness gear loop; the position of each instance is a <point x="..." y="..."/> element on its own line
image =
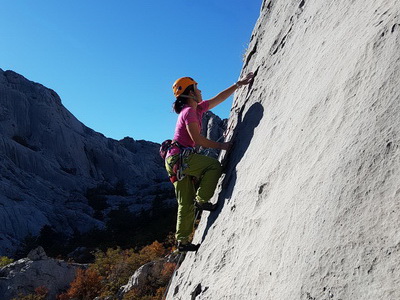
<point x="179" y="165"/>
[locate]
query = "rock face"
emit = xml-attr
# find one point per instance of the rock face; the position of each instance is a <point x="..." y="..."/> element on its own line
<point x="55" y="169"/>
<point x="50" y="161"/>
<point x="213" y="128"/>
<point x="309" y="204"/>
<point x="37" y="270"/>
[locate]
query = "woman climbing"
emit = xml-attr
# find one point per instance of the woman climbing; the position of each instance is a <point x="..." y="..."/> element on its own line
<point x="194" y="176"/>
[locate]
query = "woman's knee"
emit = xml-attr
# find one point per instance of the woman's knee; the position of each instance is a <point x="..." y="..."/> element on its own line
<point x="217" y="166"/>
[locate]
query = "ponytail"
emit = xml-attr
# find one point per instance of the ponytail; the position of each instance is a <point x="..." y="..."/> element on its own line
<point x="181" y="101"/>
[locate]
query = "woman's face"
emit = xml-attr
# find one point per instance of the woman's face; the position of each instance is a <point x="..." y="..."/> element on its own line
<point x="197" y="94"/>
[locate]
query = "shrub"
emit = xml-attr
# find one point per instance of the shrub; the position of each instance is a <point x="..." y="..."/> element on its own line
<point x="167" y="271"/>
<point x="40" y="294"/>
<point x="86" y="285"/>
<point x="4" y="261"/>
<point x="113" y="268"/>
<point x="145" y="295"/>
<point x="156" y="287"/>
<point x="152" y="252"/>
<point x="117" y="265"/>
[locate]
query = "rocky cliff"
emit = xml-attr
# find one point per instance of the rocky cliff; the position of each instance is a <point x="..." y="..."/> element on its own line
<point x="309" y="204"/>
<point x="59" y="177"/>
<point x="55" y="170"/>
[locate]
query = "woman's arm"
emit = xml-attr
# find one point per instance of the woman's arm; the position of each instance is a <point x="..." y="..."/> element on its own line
<point x="199" y="140"/>
<point x="213" y="102"/>
<point x="222" y="96"/>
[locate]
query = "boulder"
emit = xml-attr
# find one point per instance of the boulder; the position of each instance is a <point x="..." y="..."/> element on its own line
<point x="23" y="276"/>
<point x="143" y="276"/>
<point x="151" y="273"/>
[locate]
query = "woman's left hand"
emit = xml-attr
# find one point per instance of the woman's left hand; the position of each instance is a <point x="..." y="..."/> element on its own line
<point x="226" y="146"/>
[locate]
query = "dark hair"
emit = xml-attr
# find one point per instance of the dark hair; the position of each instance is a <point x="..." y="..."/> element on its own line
<point x="181" y="101"/>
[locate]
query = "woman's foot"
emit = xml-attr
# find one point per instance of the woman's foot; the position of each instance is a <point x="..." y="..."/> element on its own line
<point x="205" y="206"/>
<point x="185" y="247"/>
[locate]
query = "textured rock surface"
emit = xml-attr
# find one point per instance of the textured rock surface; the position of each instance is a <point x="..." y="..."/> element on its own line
<point x="37" y="270"/>
<point x="49" y="161"/>
<point x="310" y="201"/>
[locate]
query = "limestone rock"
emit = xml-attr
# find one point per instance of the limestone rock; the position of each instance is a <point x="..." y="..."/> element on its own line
<point x="27" y="274"/>
<point x="143" y="276"/>
<point x="50" y="161"/>
<point x="309" y="205"/>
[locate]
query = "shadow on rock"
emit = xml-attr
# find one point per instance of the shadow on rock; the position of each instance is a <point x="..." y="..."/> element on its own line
<point x="242" y="136"/>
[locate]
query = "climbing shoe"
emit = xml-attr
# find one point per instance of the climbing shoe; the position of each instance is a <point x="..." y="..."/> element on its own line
<point x="185" y="247"/>
<point x="205" y="206"/>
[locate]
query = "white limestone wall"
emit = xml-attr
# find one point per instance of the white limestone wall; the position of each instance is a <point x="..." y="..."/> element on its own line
<point x="310" y="203"/>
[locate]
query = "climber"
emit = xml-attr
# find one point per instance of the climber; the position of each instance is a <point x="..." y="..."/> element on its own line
<point x="194" y="176"/>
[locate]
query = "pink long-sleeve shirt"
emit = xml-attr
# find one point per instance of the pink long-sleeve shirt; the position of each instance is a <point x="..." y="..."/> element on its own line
<point x="186" y="116"/>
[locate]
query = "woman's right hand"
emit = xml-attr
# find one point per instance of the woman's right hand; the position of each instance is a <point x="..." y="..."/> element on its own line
<point x="246" y="80"/>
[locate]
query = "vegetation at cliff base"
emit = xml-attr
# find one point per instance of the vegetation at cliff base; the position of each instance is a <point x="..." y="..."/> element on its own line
<point x="5" y="261"/>
<point x="113" y="268"/>
<point x="123" y="229"/>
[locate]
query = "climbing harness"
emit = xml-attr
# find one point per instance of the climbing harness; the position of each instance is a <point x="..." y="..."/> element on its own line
<point x="178" y="166"/>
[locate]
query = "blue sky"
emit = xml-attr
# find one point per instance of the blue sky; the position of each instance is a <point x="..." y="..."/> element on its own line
<point x="113" y="62"/>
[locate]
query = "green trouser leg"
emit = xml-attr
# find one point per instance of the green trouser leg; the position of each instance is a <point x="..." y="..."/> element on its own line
<point x="185" y="193"/>
<point x="207" y="170"/>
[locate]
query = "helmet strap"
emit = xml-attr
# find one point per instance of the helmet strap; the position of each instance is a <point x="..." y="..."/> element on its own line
<point x="190" y="97"/>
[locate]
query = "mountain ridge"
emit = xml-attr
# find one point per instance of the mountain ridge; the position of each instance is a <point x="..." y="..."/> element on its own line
<point x="51" y="161"/>
<point x="61" y="177"/>
<point x="58" y="173"/>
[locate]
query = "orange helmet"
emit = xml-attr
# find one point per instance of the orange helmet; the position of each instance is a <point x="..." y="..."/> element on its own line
<point x="181" y="84"/>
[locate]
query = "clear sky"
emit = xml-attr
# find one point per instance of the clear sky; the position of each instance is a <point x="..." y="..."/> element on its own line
<point x="113" y="62"/>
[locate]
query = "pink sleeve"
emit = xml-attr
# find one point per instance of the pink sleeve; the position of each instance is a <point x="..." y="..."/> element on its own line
<point x="203" y="106"/>
<point x="191" y="115"/>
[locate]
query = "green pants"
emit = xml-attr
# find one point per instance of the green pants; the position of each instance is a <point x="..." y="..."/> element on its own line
<point x="206" y="171"/>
